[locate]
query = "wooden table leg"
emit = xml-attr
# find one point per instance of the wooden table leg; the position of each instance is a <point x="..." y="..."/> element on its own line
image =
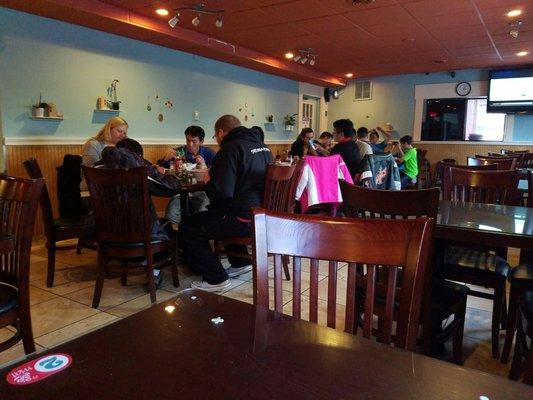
<point x="514" y="297"/>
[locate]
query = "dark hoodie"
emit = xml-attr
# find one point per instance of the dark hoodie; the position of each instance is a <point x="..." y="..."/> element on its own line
<point x="238" y="172"/>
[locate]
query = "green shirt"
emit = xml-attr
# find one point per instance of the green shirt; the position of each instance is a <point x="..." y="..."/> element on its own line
<point x="411" y="163"/>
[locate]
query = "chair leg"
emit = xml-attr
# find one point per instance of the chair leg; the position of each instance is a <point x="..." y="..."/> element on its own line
<point x="150" y="277"/>
<point x="124" y="275"/>
<point x="51" y="263"/>
<point x="99" y="279"/>
<point x="79" y="246"/>
<point x="25" y="328"/>
<point x="503" y="322"/>
<point x="514" y="372"/>
<point x="511" y="323"/>
<point x="458" y="336"/>
<point x="174" y="269"/>
<point x="499" y="293"/>
<point x="286" y="267"/>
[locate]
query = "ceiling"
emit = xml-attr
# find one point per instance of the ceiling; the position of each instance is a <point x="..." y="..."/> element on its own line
<point x="386" y="37"/>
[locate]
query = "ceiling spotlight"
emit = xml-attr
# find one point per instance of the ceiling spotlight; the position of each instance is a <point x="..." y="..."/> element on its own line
<point x="349" y="75"/>
<point x="196" y="20"/>
<point x="219" y="22"/>
<point x="161" y="11"/>
<point x="522" y="53"/>
<point x="289" y="55"/>
<point x="312" y="61"/>
<point x="174" y="20"/>
<point x="514" y="13"/>
<point x="514" y="33"/>
<point x="304" y="59"/>
<point x="297" y="58"/>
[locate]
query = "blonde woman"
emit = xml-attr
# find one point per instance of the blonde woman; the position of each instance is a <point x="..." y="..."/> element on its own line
<point x="114" y="130"/>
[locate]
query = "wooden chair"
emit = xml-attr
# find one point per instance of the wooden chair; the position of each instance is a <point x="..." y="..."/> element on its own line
<point x="281" y="182"/>
<point x="347" y="240"/>
<point x="523" y="355"/>
<point x="520" y="153"/>
<point x="439" y="168"/>
<point x="445" y="299"/>
<point x="521" y="281"/>
<point x="56" y="230"/>
<point x="482" y="166"/>
<point x="19" y="199"/>
<point x="476" y="265"/>
<point x="121" y="205"/>
<point x="504" y="163"/>
<point x="527" y="161"/>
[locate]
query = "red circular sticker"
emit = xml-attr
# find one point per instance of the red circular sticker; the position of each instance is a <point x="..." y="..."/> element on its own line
<point x="41" y="368"/>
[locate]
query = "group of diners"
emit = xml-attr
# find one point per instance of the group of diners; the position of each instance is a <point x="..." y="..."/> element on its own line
<point x="236" y="181"/>
<point x="353" y="145"/>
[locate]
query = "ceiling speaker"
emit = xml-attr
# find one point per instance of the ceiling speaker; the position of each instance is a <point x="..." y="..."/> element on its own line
<point x="326" y="94"/>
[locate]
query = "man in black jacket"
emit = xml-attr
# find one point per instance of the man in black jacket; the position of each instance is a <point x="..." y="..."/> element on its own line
<point x="346" y="147"/>
<point x="236" y="184"/>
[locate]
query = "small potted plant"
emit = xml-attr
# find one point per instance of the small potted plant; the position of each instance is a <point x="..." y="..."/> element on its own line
<point x="39" y="108"/>
<point x="270" y="118"/>
<point x="113" y="103"/>
<point x="290" y="121"/>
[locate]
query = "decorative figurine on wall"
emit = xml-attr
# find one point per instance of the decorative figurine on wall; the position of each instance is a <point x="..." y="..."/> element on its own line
<point x="112" y="94"/>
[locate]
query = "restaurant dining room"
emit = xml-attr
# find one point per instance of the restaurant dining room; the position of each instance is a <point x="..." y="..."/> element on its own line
<point x="266" y="199"/>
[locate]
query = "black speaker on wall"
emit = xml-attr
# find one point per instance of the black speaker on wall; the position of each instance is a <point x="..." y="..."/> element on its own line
<point x="326" y="95"/>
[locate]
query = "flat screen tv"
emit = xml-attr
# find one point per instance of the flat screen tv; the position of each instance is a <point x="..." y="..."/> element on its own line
<point x="510" y="91"/>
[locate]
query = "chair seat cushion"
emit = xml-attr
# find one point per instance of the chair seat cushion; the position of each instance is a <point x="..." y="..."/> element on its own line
<point x="69" y="223"/>
<point x="9" y="298"/>
<point x="132" y="245"/>
<point x="464" y="257"/>
<point x="522" y="274"/>
<point x="445" y="295"/>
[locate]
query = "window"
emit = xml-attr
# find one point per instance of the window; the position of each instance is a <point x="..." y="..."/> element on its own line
<point x="363" y="90"/>
<point x="461" y="120"/>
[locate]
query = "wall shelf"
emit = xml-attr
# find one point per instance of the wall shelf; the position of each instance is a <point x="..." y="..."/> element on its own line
<point x="108" y="111"/>
<point x="47" y="118"/>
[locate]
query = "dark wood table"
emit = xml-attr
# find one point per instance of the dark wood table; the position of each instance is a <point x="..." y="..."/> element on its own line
<point x="7" y="243"/>
<point x="488" y="224"/>
<point x="253" y="354"/>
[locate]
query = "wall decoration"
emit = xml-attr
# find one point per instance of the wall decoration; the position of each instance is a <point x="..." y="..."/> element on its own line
<point x="148" y="106"/>
<point x="160" y="117"/>
<point x="169" y="104"/>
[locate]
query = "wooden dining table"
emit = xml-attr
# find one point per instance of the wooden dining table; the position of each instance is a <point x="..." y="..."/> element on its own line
<point x="204" y="346"/>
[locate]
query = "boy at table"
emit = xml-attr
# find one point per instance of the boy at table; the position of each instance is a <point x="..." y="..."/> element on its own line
<point x="407" y="160"/>
<point x="237" y="180"/>
<point x="196" y="153"/>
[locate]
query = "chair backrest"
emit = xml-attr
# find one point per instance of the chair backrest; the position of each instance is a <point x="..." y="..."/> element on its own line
<point x="68" y="187"/>
<point x="504" y="162"/>
<point x="407" y="244"/>
<point x="527" y="160"/>
<point x="121" y="204"/>
<point x="520" y="153"/>
<point x="19" y="199"/>
<point x="34" y="172"/>
<point x="478" y="165"/>
<point x="362" y="202"/>
<point x="494" y="187"/>
<point x="281" y="182"/>
<point x="477" y="162"/>
<point x="530" y="189"/>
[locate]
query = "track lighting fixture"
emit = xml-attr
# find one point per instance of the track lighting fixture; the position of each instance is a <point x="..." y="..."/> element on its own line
<point x="199" y="8"/>
<point x="304" y="56"/>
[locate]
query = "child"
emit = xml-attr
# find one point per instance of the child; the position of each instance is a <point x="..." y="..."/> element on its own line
<point x="408" y="161"/>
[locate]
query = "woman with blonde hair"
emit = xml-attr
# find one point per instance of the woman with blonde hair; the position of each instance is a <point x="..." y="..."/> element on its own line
<point x="114" y="130"/>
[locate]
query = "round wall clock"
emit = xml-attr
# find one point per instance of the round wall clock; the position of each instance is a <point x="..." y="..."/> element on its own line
<point x="463" y="88"/>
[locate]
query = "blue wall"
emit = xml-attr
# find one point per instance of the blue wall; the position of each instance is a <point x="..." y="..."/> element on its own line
<point x="393" y="101"/>
<point x="72" y="66"/>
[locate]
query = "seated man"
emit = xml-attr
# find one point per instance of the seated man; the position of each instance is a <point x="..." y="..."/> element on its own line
<point x="236" y="185"/>
<point x="194" y="153"/>
<point x="344" y="134"/>
<point x="363" y="143"/>
<point x="408" y="161"/>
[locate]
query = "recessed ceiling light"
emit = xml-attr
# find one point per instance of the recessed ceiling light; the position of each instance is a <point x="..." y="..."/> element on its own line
<point x="161" y="11"/>
<point x="522" y="53"/>
<point x="514" y="13"/>
<point x="349" y="75"/>
<point x="289" y="55"/>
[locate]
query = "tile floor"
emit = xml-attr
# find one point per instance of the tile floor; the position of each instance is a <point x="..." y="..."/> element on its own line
<point x="64" y="311"/>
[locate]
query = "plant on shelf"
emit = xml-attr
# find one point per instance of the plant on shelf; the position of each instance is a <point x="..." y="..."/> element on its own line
<point x="40" y="107"/>
<point x="270" y="118"/>
<point x="113" y="102"/>
<point x="290" y="121"/>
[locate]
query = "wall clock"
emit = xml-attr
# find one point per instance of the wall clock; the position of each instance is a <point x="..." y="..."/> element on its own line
<point x="463" y="88"/>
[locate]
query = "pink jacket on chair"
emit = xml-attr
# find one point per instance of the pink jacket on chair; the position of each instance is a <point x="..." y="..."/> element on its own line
<point x="320" y="181"/>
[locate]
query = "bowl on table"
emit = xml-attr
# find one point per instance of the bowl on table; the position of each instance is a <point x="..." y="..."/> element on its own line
<point x="200" y="174"/>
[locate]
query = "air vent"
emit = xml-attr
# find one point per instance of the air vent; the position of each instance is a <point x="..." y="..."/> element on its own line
<point x="363" y="90"/>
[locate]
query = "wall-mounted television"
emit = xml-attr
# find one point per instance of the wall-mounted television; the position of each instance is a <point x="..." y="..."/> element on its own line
<point x="510" y="91"/>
